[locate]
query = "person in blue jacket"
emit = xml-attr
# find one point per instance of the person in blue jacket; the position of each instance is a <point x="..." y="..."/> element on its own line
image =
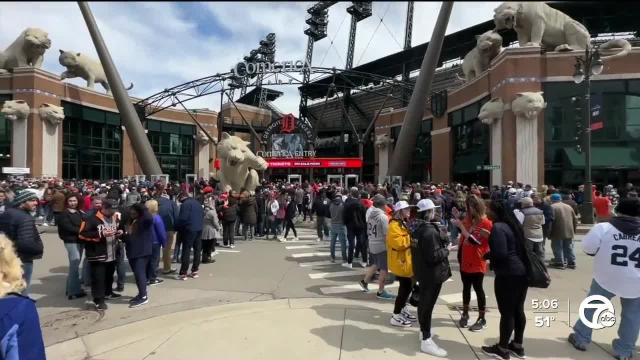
<point x="159" y="240"/>
<point x="20" y="334"/>
<point x="139" y="245"/>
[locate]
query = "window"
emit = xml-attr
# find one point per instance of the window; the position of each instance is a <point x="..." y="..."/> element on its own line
<point x="632" y="115"/>
<point x="5" y="136"/>
<point x="174" y="147"/>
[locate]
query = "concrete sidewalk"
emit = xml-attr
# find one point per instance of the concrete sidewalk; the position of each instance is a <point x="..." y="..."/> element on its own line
<point x="323" y="329"/>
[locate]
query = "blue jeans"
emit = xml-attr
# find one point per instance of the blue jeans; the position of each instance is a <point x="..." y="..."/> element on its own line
<point x="322" y="227"/>
<point x="154" y="262"/>
<point x="339" y="231"/>
<point x="27" y="268"/>
<point x="74" y="253"/>
<point x="628" y="327"/>
<point x="563" y="251"/>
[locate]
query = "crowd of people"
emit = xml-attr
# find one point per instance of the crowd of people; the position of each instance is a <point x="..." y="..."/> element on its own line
<point x="408" y="231"/>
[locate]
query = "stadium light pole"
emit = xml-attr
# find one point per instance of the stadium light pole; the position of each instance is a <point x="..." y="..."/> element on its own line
<point x="139" y="141"/>
<point x="590" y="64"/>
<point x="406" y="143"/>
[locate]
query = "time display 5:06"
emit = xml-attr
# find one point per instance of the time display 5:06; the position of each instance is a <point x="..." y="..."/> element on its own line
<point x="544" y="304"/>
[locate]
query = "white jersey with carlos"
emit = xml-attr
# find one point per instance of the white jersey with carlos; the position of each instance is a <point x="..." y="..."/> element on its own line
<point x="617" y="259"/>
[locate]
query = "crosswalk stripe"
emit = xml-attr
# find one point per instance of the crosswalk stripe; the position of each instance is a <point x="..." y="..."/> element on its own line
<point x="228" y="251"/>
<point x="311" y="254"/>
<point x="332" y="290"/>
<point x="296" y="247"/>
<point x="317" y="263"/>
<point x="328" y="275"/>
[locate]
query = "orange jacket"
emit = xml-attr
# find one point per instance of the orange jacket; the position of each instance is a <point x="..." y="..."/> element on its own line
<point x="472" y="249"/>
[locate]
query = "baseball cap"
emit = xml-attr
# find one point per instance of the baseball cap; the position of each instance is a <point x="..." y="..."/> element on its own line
<point x="426" y="204"/>
<point x="556" y="197"/>
<point x="401" y="205"/>
<point x="526" y="202"/>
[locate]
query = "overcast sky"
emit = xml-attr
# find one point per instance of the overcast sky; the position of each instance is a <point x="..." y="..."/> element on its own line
<point x="157" y="45"/>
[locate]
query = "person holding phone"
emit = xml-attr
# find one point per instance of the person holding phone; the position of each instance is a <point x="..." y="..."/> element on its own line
<point x="474" y="244"/>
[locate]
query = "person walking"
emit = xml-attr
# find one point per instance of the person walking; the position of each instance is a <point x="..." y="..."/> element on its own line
<point x="138" y="240"/>
<point x="354" y="219"/>
<point x="474" y="244"/>
<point x="58" y="203"/>
<point x="532" y="226"/>
<point x="159" y="241"/>
<point x="248" y="214"/>
<point x="377" y="228"/>
<point x="306" y="206"/>
<point x="168" y="211"/>
<point x="272" y="212"/>
<point x="292" y="208"/>
<point x="100" y="232"/>
<point x="616" y="272"/>
<point x="189" y="226"/>
<point x="210" y="234"/>
<point x="563" y="230"/>
<point x="229" y="214"/>
<point x="68" y="229"/>
<point x="320" y="208"/>
<point x="509" y="262"/>
<point x="298" y="197"/>
<point x="430" y="256"/>
<point x="338" y="231"/>
<point x="20" y="227"/>
<point x="400" y="262"/>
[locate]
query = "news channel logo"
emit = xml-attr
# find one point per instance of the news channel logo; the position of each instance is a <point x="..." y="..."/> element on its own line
<point x="603" y="315"/>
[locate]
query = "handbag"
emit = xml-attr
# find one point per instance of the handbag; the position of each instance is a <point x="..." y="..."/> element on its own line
<point x="537" y="274"/>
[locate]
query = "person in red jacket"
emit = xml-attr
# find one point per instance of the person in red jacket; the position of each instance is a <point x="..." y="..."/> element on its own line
<point x="474" y="244"/>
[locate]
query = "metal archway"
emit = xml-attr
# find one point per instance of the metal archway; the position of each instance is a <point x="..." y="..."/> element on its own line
<point x="334" y="80"/>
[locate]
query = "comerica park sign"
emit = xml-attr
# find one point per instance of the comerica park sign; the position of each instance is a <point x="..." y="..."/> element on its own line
<point x="252" y="69"/>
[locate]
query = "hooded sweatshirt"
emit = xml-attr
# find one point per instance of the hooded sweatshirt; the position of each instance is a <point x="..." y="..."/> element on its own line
<point x="377" y="226"/>
<point x="616" y="248"/>
<point x="336" y="208"/>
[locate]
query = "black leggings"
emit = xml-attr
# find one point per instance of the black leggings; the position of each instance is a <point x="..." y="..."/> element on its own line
<point x="429" y="292"/>
<point x="475" y="280"/>
<point x="403" y="294"/>
<point x="511" y="293"/>
<point x="290" y="225"/>
<point x="227" y="233"/>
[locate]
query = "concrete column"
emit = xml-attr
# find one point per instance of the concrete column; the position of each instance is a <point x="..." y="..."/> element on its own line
<point x="496" y="152"/>
<point x="383" y="163"/>
<point x="19" y="143"/>
<point x="50" y="147"/>
<point x="527" y="150"/>
<point x="203" y="160"/>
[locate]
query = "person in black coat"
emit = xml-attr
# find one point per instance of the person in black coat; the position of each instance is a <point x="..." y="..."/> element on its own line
<point x="139" y="244"/>
<point x="20" y="227"/>
<point x="292" y="208"/>
<point x="430" y="255"/>
<point x="229" y="214"/>
<point x="189" y="227"/>
<point x="68" y="223"/>
<point x="354" y="218"/>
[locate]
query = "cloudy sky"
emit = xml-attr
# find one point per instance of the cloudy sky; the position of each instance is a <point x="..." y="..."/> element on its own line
<point x="157" y="45"/>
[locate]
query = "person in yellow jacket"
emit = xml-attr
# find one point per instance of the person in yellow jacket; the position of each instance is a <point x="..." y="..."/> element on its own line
<point x="399" y="262"/>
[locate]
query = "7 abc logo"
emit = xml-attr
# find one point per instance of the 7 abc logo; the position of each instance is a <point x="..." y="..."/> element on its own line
<point x="603" y="315"/>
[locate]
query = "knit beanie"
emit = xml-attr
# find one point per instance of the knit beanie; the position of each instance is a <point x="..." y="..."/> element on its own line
<point x="24" y="196"/>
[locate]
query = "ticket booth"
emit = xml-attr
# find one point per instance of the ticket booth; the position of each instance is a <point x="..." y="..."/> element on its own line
<point x="296" y="178"/>
<point x="335" y="179"/>
<point x="351" y="180"/>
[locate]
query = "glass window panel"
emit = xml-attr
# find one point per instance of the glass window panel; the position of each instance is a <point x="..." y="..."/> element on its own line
<point x="154" y="125"/>
<point x="112" y="119"/>
<point x="94" y="115"/>
<point x="174" y="144"/>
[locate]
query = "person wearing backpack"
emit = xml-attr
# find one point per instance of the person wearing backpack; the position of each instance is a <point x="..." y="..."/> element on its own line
<point x="508" y="257"/>
<point x="354" y="219"/>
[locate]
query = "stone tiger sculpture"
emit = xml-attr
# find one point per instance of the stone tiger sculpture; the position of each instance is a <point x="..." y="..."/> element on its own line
<point x="53" y="114"/>
<point x="238" y="165"/>
<point x="27" y="50"/>
<point x="488" y="46"/>
<point x="538" y="24"/>
<point x="492" y="111"/>
<point x="15" y="110"/>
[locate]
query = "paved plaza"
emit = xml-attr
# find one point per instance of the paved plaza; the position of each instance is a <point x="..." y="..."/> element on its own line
<point x="272" y="300"/>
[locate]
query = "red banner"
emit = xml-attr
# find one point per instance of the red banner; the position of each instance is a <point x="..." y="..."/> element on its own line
<point x="315" y="163"/>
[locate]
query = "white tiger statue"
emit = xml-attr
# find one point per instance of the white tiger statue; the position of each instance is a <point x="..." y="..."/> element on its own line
<point x="238" y="165"/>
<point x="15" y="110"/>
<point x="488" y="46"/>
<point x="80" y="65"/>
<point x="492" y="111"/>
<point x="538" y="24"/>
<point x="382" y="140"/>
<point x="27" y="50"/>
<point x="53" y="114"/>
<point x="527" y="105"/>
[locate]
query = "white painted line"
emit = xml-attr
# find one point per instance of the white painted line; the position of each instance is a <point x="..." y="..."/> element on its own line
<point x="296" y="247"/>
<point x="373" y="288"/>
<point x="455" y="298"/>
<point x="318" y="263"/>
<point x="312" y="254"/>
<point x="328" y="275"/>
<point x="227" y="251"/>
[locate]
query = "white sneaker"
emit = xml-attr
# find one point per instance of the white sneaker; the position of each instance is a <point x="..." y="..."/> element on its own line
<point x="400" y="321"/>
<point x="282" y="239"/>
<point x="232" y="246"/>
<point x="45" y="224"/>
<point x="347" y="265"/>
<point x="363" y="264"/>
<point x="408" y="315"/>
<point x="214" y="253"/>
<point x="430" y="347"/>
<point x="319" y="239"/>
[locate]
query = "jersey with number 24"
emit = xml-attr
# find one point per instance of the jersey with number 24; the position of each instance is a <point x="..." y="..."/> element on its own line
<point x="616" y="265"/>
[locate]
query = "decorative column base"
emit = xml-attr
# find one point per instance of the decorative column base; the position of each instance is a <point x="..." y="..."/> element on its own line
<point x="383" y="163"/>
<point x="19" y="144"/>
<point x="50" y="148"/>
<point x="496" y="152"/>
<point x="527" y="151"/>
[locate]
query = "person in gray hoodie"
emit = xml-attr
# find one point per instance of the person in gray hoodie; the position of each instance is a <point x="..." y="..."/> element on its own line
<point x="377" y="226"/>
<point x="338" y="230"/>
<point x="532" y="226"/>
